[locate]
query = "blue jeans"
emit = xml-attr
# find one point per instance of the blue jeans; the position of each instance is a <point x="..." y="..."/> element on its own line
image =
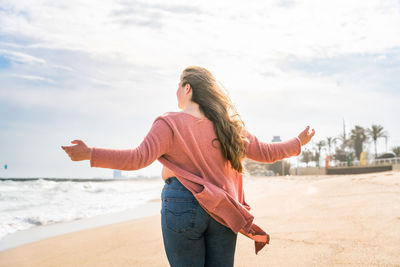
<point x="191" y="236"/>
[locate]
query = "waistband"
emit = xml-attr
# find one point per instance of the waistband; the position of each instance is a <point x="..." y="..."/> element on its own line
<point x="171" y="179"/>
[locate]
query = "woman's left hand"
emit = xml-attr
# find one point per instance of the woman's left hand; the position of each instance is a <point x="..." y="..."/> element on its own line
<point x="305" y="136"/>
<point x="79" y="152"/>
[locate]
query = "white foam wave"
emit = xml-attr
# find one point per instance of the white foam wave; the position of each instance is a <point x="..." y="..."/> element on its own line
<point x="33" y="203"/>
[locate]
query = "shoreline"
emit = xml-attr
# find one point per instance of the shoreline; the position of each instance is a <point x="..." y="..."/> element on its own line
<point x="349" y="220"/>
<point x="43" y="232"/>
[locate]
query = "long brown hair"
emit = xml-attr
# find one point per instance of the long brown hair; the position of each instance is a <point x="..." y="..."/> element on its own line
<point x="216" y="105"/>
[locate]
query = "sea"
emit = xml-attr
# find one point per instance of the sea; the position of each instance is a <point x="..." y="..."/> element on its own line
<point x="32" y="202"/>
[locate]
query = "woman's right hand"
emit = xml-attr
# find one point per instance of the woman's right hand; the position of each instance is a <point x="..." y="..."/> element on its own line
<point x="305" y="137"/>
<point x="78" y="152"/>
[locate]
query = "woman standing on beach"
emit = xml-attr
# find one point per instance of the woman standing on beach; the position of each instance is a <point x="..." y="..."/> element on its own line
<point x="201" y="149"/>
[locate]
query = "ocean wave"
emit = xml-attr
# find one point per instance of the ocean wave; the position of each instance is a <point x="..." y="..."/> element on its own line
<point x="28" y="204"/>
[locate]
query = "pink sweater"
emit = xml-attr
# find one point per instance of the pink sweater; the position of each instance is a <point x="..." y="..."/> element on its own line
<point x="184" y="144"/>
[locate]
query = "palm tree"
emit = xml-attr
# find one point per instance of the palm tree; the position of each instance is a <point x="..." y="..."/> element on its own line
<point x="331" y="141"/>
<point x="345" y="142"/>
<point x="358" y="136"/>
<point x="375" y="132"/>
<point x="319" y="145"/>
<point x="340" y="154"/>
<point x="306" y="156"/>
<point x="396" y="150"/>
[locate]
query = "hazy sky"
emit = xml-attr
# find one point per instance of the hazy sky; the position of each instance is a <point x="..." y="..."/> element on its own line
<point x="102" y="71"/>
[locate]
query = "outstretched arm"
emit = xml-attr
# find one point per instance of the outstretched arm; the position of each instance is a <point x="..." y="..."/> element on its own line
<point x="271" y="152"/>
<point x="156" y="143"/>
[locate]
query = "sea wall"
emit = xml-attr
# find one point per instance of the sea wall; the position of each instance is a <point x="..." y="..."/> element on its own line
<point x="343" y="170"/>
<point x="308" y="171"/>
<point x="358" y="169"/>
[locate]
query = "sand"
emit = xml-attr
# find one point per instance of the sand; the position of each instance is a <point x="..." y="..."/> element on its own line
<point x="348" y="220"/>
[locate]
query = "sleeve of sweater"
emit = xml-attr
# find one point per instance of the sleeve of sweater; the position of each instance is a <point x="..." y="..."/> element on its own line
<point x="157" y="142"/>
<point x="271" y="152"/>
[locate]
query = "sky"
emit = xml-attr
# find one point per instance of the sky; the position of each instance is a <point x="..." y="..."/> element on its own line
<point x="103" y="71"/>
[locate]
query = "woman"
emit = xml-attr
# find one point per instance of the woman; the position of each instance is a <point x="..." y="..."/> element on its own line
<point x="201" y="149"/>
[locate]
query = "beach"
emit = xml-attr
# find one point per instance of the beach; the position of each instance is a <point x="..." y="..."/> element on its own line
<point x="336" y="220"/>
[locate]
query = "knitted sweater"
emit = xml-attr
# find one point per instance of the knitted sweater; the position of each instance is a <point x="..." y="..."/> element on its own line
<point x="188" y="146"/>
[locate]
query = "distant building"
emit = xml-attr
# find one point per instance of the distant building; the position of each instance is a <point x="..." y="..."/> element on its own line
<point x="276" y="138"/>
<point x="279" y="166"/>
<point x="117" y="174"/>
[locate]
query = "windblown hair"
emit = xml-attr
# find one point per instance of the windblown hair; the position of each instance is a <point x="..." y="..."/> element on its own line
<point x="218" y="108"/>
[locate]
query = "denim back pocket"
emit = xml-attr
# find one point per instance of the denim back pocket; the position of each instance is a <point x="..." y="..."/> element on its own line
<point x="180" y="213"/>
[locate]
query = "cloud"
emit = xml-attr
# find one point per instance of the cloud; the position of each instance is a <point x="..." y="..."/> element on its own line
<point x="33" y="78"/>
<point x="21" y="57"/>
<point x="153" y="22"/>
<point x="133" y="7"/>
<point x="4" y="62"/>
<point x="286" y="3"/>
<point x="371" y="71"/>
